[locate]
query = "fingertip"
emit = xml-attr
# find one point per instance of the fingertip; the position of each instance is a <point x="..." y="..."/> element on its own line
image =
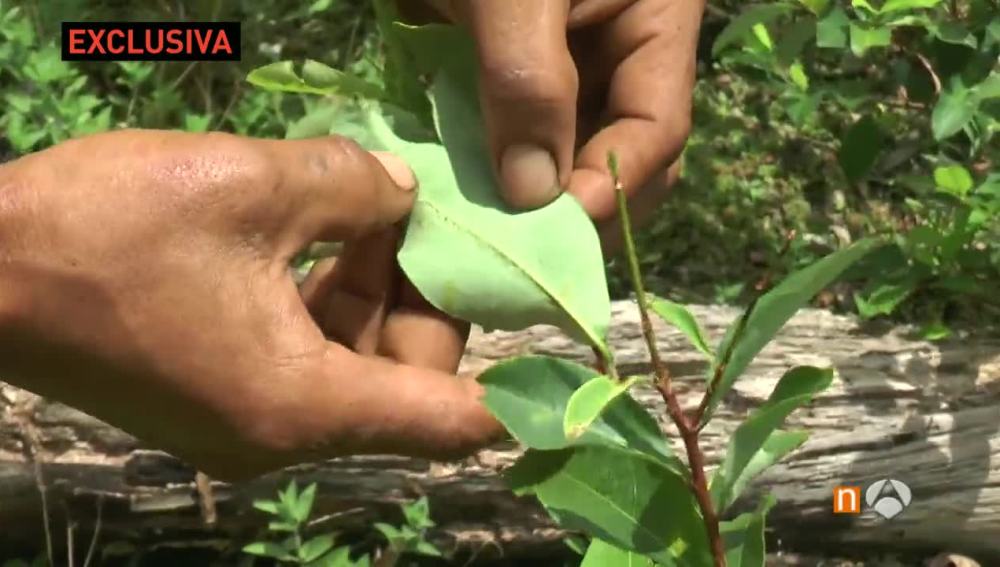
<point x="529" y="176"/>
<point x="398" y="170"/>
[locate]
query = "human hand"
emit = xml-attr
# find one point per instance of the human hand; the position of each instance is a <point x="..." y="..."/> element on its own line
<point x="566" y="81"/>
<point x="144" y="280"/>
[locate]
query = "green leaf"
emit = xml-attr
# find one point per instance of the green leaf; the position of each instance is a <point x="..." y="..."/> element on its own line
<point x="390" y="532"/>
<point x="831" y="31"/>
<point x="268" y="549"/>
<point x="793" y="40"/>
<point x="860" y="148"/>
<point x="402" y="76"/>
<point x="992" y="32"/>
<point x="884" y="299"/>
<point x="316" y="122"/>
<point x="603" y="554"/>
<point x="989" y="88"/>
<point x="327" y="79"/>
<point x="529" y="396"/>
<point x="509" y="278"/>
<point x="953" y="179"/>
<point x="749" y="451"/>
<point x="320" y="6"/>
<point x="288" y="498"/>
<point x="798" y="75"/>
<point x="900" y="5"/>
<point x="817" y="7"/>
<point x="953" y="112"/>
<point x="677" y="315"/>
<point x="282" y="526"/>
<point x="775" y="308"/>
<point x="589" y="401"/>
<point x="268" y="506"/>
<point x="954" y="33"/>
<point x="316" y="78"/>
<point x="762" y="36"/>
<point x="577" y="543"/>
<point x="935" y="331"/>
<point x="418" y="514"/>
<point x="741" y="26"/>
<point x="865" y="38"/>
<point x="303" y="505"/>
<point x="427" y="548"/>
<point x="197" y="122"/>
<point x="315" y="547"/>
<point x="621" y="497"/>
<point x="744" y="537"/>
<point x="864" y="5"/>
<point x="340" y="557"/>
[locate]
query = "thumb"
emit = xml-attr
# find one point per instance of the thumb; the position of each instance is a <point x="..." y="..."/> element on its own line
<point x="528" y="88"/>
<point x="336" y="191"/>
<point x="356" y="404"/>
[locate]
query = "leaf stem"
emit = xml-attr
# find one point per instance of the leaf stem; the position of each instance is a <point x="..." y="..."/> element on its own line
<point x="688" y="428"/>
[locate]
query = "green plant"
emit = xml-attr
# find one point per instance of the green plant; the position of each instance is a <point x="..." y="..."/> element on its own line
<point x="289" y="545"/>
<point x="54" y="100"/>
<point x="596" y="459"/>
<point x="921" y="74"/>
<point x="599" y="464"/>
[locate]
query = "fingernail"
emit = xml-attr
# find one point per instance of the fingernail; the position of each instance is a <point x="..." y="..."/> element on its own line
<point x="398" y="170"/>
<point x="529" y="176"/>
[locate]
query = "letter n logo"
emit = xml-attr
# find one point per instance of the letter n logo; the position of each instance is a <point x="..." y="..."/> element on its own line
<point x="847" y="500"/>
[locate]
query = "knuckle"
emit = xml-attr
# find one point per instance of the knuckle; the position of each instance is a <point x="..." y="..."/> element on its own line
<point x="544" y="84"/>
<point x="213" y="160"/>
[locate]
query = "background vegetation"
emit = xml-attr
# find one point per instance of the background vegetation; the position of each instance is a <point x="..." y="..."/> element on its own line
<point x="816" y="122"/>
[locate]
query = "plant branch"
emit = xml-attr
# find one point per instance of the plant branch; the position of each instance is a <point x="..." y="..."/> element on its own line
<point x="688" y="429"/>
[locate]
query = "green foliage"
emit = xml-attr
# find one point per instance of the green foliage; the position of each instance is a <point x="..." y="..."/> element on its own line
<point x="748" y="335"/>
<point x="55" y="102"/>
<point x="603" y="554"/>
<point x="589" y="401"/>
<point x="896" y="91"/>
<point x="597" y="475"/>
<point x="290" y="514"/>
<point x="744" y="537"/>
<point x="541" y="387"/>
<point x="620" y="496"/>
<point x="678" y="316"/>
<point x="756" y="444"/>
<point x="46" y="100"/>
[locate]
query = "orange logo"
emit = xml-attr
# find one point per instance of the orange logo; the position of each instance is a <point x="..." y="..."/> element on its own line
<point x="847" y="500"/>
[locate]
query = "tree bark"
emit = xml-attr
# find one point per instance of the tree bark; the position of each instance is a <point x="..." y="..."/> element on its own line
<point x="924" y="413"/>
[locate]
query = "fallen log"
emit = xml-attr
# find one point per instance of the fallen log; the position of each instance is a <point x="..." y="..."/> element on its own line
<point x="924" y="413"/>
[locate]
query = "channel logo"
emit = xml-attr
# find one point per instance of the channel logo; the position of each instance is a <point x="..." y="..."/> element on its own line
<point x="887" y="497"/>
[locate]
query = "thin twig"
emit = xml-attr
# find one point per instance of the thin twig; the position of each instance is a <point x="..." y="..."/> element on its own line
<point x="206" y="498"/>
<point x="600" y="365"/>
<point x="30" y="447"/>
<point x="720" y="367"/>
<point x="660" y="369"/>
<point x="92" y="548"/>
<point x="70" y="528"/>
<point x="926" y="64"/>
<point x="688" y="429"/>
